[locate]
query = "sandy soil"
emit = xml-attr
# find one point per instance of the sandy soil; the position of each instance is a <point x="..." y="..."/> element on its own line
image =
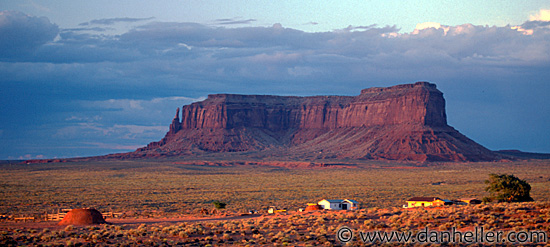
<point x="174" y="220"/>
<point x="132" y="221"/>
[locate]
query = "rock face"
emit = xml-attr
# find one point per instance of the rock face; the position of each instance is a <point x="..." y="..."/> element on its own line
<point x="403" y="122"/>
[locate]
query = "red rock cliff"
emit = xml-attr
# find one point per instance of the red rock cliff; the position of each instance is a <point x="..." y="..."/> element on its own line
<point x="412" y="103"/>
<point x="404" y="122"/>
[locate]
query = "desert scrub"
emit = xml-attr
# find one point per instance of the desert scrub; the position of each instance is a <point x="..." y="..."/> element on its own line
<point x="172" y="189"/>
<point x="180" y="189"/>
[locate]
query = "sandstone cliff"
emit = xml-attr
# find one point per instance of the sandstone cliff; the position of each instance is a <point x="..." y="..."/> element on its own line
<point x="404" y="122"/>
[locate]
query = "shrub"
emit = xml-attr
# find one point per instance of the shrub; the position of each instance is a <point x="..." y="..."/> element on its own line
<point x="507" y="188"/>
<point x="219" y="205"/>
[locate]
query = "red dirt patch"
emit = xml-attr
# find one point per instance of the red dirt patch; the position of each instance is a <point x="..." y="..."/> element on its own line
<point x="285" y="164"/>
<point x="313" y="207"/>
<point x="83" y="216"/>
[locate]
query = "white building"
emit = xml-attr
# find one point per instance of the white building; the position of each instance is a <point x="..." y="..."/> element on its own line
<point x="345" y="204"/>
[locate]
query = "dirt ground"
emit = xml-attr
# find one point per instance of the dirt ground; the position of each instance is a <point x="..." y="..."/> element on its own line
<point x="131" y="221"/>
<point x="312" y="228"/>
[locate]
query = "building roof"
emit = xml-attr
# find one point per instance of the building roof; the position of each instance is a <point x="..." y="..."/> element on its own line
<point x="352" y="201"/>
<point x="340" y="201"/>
<point x="423" y="199"/>
<point x="332" y="201"/>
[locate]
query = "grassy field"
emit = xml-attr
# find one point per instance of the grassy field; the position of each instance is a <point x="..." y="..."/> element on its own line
<point x="165" y="188"/>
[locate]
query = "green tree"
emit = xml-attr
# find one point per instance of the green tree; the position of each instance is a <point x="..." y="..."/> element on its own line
<point x="219" y="205"/>
<point x="507" y="188"/>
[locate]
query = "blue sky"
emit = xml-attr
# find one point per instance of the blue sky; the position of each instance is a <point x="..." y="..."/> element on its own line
<point x="311" y="16"/>
<point x="83" y="78"/>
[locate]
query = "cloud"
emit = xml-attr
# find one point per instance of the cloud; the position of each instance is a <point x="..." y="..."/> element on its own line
<point x="302" y="71"/>
<point x="157" y="111"/>
<point x="180" y="54"/>
<point x="313" y="23"/>
<point x="123" y="104"/>
<point x="97" y="137"/>
<point x="200" y="58"/>
<point x="36" y="6"/>
<point x="117" y="131"/>
<point x="112" y="146"/>
<point x="428" y="25"/>
<point x="22" y="33"/>
<point x="89" y="86"/>
<point x="84" y="119"/>
<point x="424" y="25"/>
<point x="540" y="21"/>
<point x="529" y="27"/>
<point x="542" y="15"/>
<point x="31" y="157"/>
<point x="137" y="105"/>
<point x="85" y="29"/>
<point x="112" y="21"/>
<point x="234" y="21"/>
<point x="351" y="28"/>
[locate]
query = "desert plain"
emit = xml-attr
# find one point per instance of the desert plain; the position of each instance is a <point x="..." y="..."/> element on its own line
<point x="163" y="201"/>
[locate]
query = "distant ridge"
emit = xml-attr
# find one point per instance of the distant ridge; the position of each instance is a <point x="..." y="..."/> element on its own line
<point x="524" y="155"/>
<point x="403" y="122"/>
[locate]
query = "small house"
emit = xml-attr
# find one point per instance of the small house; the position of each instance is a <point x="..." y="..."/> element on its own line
<point x="339" y="204"/>
<point x="426" y="202"/>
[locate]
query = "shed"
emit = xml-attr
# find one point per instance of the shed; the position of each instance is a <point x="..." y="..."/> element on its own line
<point x="339" y="204"/>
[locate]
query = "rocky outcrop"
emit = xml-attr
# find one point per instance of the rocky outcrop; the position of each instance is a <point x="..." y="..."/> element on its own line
<point x="412" y="103"/>
<point x="175" y="126"/>
<point x="403" y="122"/>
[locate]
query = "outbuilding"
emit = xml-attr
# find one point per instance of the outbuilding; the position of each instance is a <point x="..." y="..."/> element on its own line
<point x="426" y="202"/>
<point x="338" y="204"/>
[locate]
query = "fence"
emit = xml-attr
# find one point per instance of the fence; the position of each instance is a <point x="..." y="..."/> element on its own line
<point x="53" y="217"/>
<point x="59" y="216"/>
<point x="112" y="215"/>
<point x="17" y="218"/>
<point x="24" y="219"/>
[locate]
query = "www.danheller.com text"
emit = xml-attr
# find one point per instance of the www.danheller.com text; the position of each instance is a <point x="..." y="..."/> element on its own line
<point x="477" y="235"/>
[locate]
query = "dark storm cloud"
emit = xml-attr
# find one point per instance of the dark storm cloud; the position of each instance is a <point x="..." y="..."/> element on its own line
<point x="222" y="55"/>
<point x="22" y="33"/>
<point x="84" y="29"/>
<point x="167" y="34"/>
<point x="535" y="24"/>
<point x="492" y="77"/>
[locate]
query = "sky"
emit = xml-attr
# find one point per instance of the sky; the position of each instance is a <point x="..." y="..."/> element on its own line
<point x="84" y="78"/>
